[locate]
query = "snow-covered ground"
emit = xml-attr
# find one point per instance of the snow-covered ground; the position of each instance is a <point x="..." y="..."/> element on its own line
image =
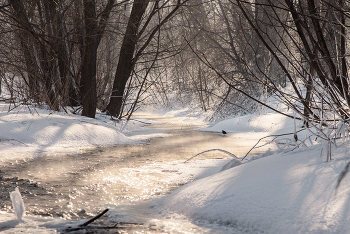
<point x="282" y="193"/>
<point x="287" y="191"/>
<point x="29" y="132"/>
<point x="293" y="190"/>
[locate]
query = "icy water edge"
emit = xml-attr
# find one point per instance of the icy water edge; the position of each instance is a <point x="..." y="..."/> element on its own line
<point x="121" y="178"/>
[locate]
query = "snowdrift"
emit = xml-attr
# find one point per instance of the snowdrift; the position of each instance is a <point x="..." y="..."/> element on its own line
<point x="282" y="193"/>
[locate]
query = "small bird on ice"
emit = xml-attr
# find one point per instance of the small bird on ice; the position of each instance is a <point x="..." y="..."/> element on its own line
<point x="17" y="203"/>
<point x="224" y="132"/>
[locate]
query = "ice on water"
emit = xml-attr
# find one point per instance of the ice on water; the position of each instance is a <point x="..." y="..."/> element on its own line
<point x="17" y="203"/>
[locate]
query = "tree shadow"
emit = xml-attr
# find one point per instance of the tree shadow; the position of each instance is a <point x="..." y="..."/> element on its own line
<point x="9" y="224"/>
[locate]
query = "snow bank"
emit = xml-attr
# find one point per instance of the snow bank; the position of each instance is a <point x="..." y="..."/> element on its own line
<point x="287" y="193"/>
<point x="255" y="126"/>
<point x="283" y="193"/>
<point x="27" y="132"/>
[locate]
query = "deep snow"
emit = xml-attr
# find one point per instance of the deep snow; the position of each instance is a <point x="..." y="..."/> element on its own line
<point x="288" y="191"/>
<point x="282" y="193"/>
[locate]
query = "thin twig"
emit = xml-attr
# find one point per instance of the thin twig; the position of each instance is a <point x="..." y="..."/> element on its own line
<point x="285" y="134"/>
<point x="224" y="151"/>
<point x="93" y="228"/>
<point x="126" y="223"/>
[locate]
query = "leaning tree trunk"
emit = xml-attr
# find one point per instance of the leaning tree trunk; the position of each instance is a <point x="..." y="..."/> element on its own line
<point x="126" y="63"/>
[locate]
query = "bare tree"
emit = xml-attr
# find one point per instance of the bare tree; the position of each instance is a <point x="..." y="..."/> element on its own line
<point x="94" y="29"/>
<point x="128" y="55"/>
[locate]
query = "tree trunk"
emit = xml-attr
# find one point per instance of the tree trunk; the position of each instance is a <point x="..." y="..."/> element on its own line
<point x="126" y="62"/>
<point x="88" y="70"/>
<point x="93" y="34"/>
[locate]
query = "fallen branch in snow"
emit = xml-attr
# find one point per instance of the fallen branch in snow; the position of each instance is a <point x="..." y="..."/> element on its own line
<point x="94" y="218"/>
<point x="93" y="228"/>
<point x="85" y="226"/>
<point x="126" y="223"/>
<point x="224" y="151"/>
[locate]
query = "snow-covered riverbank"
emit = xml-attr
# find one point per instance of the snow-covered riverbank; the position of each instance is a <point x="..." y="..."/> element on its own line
<point x="28" y="132"/>
<point x="289" y="191"/>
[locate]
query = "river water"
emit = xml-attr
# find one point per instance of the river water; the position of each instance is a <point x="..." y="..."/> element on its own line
<point x="123" y="178"/>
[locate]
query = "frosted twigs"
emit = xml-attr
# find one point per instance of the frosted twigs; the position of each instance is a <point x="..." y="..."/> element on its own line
<point x="224" y="151"/>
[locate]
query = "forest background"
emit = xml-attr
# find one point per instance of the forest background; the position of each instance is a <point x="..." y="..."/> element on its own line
<point x="227" y="57"/>
<point x="117" y="56"/>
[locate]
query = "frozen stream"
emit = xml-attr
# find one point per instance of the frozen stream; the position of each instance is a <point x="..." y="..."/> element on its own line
<point x="121" y="178"/>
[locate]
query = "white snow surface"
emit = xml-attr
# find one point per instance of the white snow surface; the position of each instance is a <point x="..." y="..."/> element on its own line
<point x="282" y="193"/>
<point x="28" y="132"/>
<point x="279" y="192"/>
<point x="254" y="126"/>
